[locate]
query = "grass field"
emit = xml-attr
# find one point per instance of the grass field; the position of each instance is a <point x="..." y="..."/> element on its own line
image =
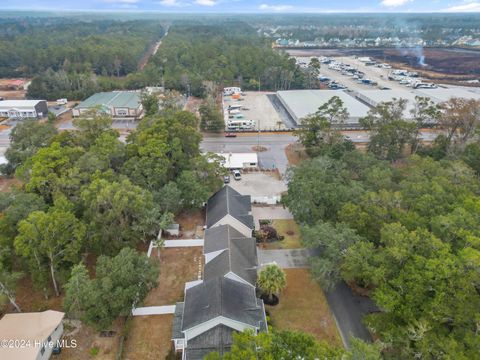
<point x="290" y="230"/>
<point x="149" y="338"/>
<point x="177" y="266"/>
<point x="303" y="306"/>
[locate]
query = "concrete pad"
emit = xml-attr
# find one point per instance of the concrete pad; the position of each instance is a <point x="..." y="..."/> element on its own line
<point x="154" y="310"/>
<point x="183" y="243"/>
<point x="286" y="259"/>
<point x="259" y="184"/>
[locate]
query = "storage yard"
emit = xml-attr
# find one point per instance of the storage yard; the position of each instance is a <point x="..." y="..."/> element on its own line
<point x="285" y="109"/>
<point x="252" y="111"/>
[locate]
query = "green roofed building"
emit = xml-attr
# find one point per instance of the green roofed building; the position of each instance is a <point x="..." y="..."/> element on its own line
<point x="118" y="104"/>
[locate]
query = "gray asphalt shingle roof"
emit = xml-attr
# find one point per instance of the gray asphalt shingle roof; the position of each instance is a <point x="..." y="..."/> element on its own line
<point x="177" y="321"/>
<point x="240" y="257"/>
<point x="228" y="201"/>
<point x="218" y="238"/>
<point x="221" y="296"/>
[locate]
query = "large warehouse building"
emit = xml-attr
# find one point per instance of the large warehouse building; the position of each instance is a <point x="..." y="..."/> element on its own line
<point x="23" y="109"/>
<point x="118" y="104"/>
<point x="445" y="94"/>
<point x="375" y="97"/>
<point x="301" y="103"/>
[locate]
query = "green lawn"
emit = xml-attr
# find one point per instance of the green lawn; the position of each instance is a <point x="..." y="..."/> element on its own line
<point x="290" y="230"/>
<point x="303" y="307"/>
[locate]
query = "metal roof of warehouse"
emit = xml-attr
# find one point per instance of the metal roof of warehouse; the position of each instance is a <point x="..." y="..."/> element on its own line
<point x="375" y="97"/>
<point x="117" y="99"/>
<point x="306" y="102"/>
<point x="445" y="94"/>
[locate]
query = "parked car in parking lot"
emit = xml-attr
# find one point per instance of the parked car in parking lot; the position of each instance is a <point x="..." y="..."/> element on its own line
<point x="237" y="175"/>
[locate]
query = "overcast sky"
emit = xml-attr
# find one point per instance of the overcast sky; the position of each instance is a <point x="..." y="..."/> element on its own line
<point x="261" y="6"/>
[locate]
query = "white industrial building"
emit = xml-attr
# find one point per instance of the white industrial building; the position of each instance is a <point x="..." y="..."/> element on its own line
<point x="301" y="103"/>
<point x="445" y="94"/>
<point x="239" y="160"/>
<point x="375" y="97"/>
<point x="23" y="109"/>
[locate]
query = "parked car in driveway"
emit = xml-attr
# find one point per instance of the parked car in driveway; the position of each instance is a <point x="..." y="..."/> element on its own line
<point x="237" y="175"/>
<point x="226" y="179"/>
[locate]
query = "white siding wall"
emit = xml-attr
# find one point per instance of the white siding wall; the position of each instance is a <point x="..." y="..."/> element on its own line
<point x="230" y="220"/>
<point x="55" y="336"/>
<point x="200" y="329"/>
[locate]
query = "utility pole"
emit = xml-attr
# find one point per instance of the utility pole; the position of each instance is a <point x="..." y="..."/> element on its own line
<point x="258" y="137"/>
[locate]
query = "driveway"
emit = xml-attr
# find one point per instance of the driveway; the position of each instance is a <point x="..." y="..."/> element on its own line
<point x="273" y="158"/>
<point x="270" y="213"/>
<point x="286" y="259"/>
<point x="349" y="309"/>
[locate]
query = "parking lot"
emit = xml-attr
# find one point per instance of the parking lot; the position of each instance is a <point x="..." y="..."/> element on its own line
<point x="257" y="106"/>
<point x="376" y="74"/>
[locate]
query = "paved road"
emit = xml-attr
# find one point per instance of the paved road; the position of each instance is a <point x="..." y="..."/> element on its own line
<point x="286" y="259"/>
<point x="274" y="157"/>
<point x="349" y="310"/>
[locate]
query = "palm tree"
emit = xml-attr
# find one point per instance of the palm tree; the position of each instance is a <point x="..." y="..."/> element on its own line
<point x="271" y="280"/>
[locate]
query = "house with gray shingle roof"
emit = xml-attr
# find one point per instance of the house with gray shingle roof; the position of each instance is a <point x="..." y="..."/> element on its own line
<point x="229" y="207"/>
<point x="229" y="253"/>
<point x="225" y="300"/>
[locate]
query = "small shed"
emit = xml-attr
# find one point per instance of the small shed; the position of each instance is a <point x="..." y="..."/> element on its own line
<point x="173" y="230"/>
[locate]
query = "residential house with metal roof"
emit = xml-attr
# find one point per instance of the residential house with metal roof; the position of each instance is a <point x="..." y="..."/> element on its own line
<point x="118" y="104"/>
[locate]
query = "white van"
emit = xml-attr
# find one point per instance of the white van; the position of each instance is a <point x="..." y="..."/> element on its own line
<point x="240" y="125"/>
<point x="62" y="101"/>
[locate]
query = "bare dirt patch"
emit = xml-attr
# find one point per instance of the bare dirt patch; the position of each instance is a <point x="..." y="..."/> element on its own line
<point x="303" y="307"/>
<point x="177" y="266"/>
<point x="295" y="154"/>
<point x="89" y="342"/>
<point x="13" y="94"/>
<point x="7" y="184"/>
<point x="191" y="223"/>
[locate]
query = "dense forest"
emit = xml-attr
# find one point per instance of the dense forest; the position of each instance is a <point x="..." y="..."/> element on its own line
<point x="86" y="193"/>
<point x="223" y="53"/>
<point x="108" y="48"/>
<point x="75" y="58"/>
<point x="400" y="223"/>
